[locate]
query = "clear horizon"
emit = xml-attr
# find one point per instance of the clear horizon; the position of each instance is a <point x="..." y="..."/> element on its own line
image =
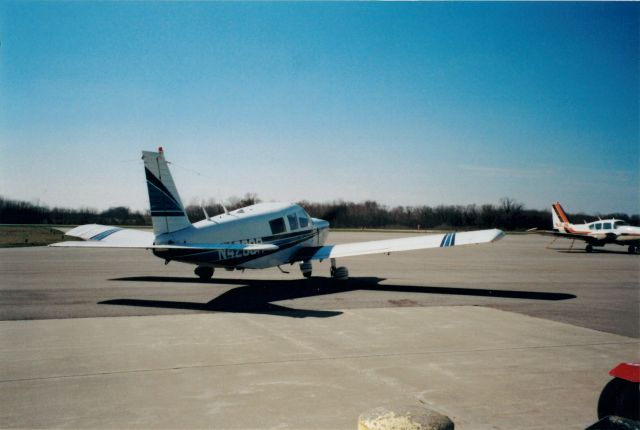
<point x="402" y="103"/>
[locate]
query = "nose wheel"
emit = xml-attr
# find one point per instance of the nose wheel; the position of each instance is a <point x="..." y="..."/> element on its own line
<point x="340" y="273"/>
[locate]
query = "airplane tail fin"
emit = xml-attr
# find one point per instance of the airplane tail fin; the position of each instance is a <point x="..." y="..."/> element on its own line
<point x="167" y="212"/>
<point x="560" y="218"/>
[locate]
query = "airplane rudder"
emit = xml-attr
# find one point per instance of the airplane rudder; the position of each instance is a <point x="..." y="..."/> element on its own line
<point x="167" y="210"/>
<point x="555" y="217"/>
<point x="562" y="213"/>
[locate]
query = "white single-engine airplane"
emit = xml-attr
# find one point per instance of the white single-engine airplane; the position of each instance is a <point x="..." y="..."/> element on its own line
<point x="596" y="233"/>
<point x="255" y="237"/>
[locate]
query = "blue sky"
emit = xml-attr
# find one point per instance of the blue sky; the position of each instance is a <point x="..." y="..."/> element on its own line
<point x="403" y="103"/>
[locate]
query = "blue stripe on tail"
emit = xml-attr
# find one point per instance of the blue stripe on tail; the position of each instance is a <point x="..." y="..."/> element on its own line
<point x="160" y="201"/>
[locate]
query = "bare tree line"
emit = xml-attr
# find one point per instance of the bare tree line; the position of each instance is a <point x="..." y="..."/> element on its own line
<point x="20" y="212"/>
<point x="508" y="214"/>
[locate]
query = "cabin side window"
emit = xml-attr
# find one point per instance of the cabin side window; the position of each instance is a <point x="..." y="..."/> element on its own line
<point x="293" y="221"/>
<point x="277" y="226"/>
<point x="303" y="218"/>
<point x="606" y="226"/>
<point x="598" y="226"/>
<point x="592" y="226"/>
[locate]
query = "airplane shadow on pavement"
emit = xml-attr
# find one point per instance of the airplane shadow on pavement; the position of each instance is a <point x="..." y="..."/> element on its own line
<point x="256" y="296"/>
<point x="595" y="251"/>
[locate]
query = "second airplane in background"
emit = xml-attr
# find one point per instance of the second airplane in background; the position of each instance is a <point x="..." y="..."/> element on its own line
<point x="596" y="233"/>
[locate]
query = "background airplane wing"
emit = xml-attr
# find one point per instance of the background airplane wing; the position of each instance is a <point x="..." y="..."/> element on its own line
<point x="103" y="236"/>
<point x="587" y="238"/>
<point x="397" y="245"/>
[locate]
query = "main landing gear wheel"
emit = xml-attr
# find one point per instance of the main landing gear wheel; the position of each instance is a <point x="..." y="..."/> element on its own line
<point x="340" y="273"/>
<point x="632" y="249"/>
<point x="589" y="248"/>
<point x="306" y="269"/>
<point x="204" y="272"/>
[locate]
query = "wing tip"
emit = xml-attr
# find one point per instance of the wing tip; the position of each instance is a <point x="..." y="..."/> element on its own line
<point x="67" y="243"/>
<point x="499" y="234"/>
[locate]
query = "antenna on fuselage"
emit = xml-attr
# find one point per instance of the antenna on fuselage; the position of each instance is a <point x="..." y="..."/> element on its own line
<point x="206" y="215"/>
<point x="224" y="209"/>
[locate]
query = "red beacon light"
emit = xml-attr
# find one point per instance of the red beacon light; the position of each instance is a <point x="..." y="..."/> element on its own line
<point x="160" y="149"/>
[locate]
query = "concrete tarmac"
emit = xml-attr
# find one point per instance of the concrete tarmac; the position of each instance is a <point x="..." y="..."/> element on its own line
<point x="503" y="336"/>
<point x="484" y="368"/>
<point x="599" y="290"/>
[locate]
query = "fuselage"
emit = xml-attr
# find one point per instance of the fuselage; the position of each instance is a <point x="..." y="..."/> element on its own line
<point x="286" y="225"/>
<point x="603" y="231"/>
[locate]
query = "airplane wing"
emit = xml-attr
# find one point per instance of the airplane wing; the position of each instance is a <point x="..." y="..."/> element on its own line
<point x="397" y="245"/>
<point x="103" y="236"/>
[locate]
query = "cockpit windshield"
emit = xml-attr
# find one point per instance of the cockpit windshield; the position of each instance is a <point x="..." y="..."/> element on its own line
<point x="620" y="224"/>
<point x="303" y="218"/>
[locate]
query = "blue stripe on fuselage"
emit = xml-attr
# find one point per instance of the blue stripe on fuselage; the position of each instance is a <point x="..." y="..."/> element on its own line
<point x="236" y="257"/>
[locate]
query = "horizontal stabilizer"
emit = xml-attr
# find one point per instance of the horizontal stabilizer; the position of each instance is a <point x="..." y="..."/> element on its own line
<point x="227" y="246"/>
<point x="97" y="233"/>
<point x="398" y="245"/>
<point x="199" y="246"/>
<point x="104" y="236"/>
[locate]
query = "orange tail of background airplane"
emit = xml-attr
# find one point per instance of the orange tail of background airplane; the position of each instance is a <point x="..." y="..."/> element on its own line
<point x="560" y="219"/>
